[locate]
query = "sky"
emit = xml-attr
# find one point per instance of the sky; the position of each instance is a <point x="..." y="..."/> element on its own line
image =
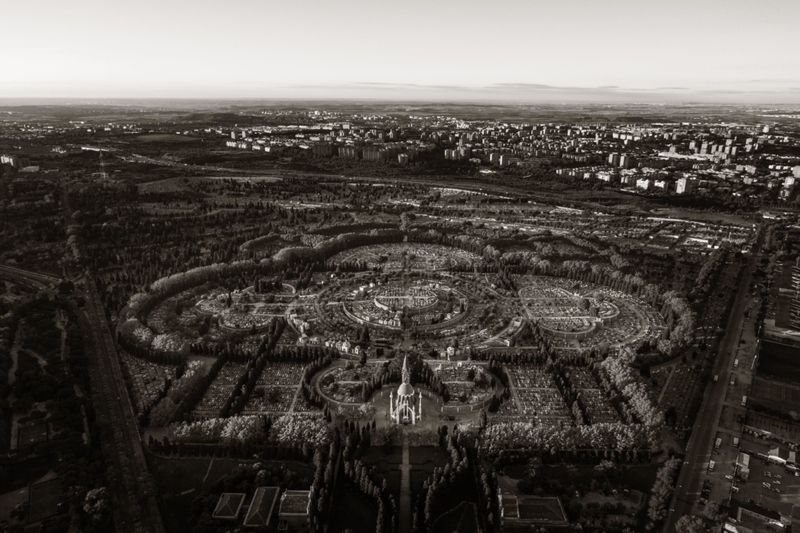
<point x="526" y="50"/>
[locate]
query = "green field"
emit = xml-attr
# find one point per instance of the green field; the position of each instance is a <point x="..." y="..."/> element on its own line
<point x="461" y="519"/>
<point x="423" y="460"/>
<point x="181" y="480"/>
<point x="352" y="510"/>
<point x="44" y="498"/>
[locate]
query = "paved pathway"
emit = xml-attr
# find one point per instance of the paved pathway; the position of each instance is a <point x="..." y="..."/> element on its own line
<point x="671" y="366"/>
<point x="512" y="387"/>
<point x="12" y="372"/>
<point x="296" y="394"/>
<point x="405" y="490"/>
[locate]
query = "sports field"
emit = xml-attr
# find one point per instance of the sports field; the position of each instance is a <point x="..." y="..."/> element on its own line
<point x="44" y="498"/>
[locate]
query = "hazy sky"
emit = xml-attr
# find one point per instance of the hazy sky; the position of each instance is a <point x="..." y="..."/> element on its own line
<point x="726" y="50"/>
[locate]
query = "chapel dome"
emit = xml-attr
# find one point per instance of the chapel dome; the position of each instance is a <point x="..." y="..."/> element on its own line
<point x="405" y="389"/>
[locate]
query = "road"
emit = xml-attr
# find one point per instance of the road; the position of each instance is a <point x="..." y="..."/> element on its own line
<point x="42" y="281"/>
<point x="136" y="158"/>
<point x="698" y="451"/>
<point x="137" y="492"/>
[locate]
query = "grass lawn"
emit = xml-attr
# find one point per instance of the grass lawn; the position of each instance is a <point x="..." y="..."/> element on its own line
<point x="31" y="435"/>
<point x="376" y="455"/>
<point x="516" y="471"/>
<point x="387" y="466"/>
<point x="426" y="455"/>
<point x="461" y="519"/>
<point x="352" y="510"/>
<point x="20" y="473"/>
<point x="26" y="363"/>
<point x="637" y="477"/>
<point x="640" y="477"/>
<point x="44" y="499"/>
<point x="423" y="460"/>
<point x="177" y="511"/>
<point x="10" y="500"/>
<point x="176" y="476"/>
<point x="354" y="228"/>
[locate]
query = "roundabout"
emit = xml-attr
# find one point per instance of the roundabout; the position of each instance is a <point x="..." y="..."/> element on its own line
<point x="402" y="304"/>
<point x="370" y="308"/>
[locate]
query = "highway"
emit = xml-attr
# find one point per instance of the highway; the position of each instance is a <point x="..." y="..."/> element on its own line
<point x="698" y="451"/>
<point x="128" y="453"/>
<point x="136" y="158"/>
<point x="42" y="281"/>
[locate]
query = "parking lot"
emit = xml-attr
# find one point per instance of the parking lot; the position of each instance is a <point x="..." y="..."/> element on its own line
<point x="721" y="477"/>
<point x="770" y="485"/>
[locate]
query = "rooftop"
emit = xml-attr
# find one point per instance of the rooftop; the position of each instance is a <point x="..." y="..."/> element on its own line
<point x="229" y="505"/>
<point x="295" y="502"/>
<point x="262" y="507"/>
<point x="753" y="508"/>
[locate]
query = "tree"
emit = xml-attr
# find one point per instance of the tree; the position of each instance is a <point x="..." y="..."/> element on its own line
<point x="690" y="524"/>
<point x="662" y="490"/>
<point x="713" y="511"/>
<point x="671" y="415"/>
<point x="405" y="221"/>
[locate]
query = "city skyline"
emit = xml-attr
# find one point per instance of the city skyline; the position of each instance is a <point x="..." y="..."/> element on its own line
<point x="619" y="51"/>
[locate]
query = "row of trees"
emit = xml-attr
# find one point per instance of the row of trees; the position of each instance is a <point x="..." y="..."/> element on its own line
<point x="323" y="486"/>
<point x="136" y="339"/>
<point x="446" y="487"/>
<point x="358" y="441"/>
<point x="629" y="442"/>
<point x="615" y="397"/>
<point x="240" y="394"/>
<point x="185" y="394"/>
<point x="310" y="393"/>
<point x="708" y="274"/>
<point x="621" y="373"/>
<point x="663" y="488"/>
<point x="529" y="334"/>
<point x="487" y="494"/>
<point x="680" y="319"/>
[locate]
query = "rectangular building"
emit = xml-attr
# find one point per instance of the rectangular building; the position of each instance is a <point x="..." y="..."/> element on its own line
<point x="295" y="510"/>
<point x="684" y="186"/>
